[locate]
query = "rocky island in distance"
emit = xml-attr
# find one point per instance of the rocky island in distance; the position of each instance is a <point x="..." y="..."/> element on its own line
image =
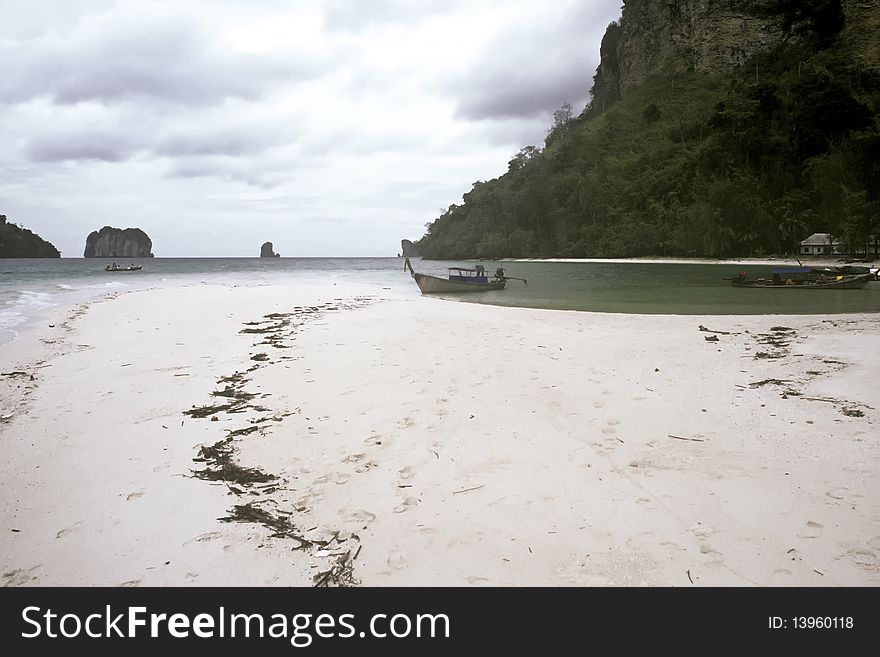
<point x="267" y="252"/>
<point x="118" y="243"/>
<point x="19" y="242"/>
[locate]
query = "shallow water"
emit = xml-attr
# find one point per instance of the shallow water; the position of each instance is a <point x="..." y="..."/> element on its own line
<point x="31" y="288"/>
<point x="679" y="289"/>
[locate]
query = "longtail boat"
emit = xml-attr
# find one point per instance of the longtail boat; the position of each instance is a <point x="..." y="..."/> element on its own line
<point x="804" y="278"/>
<point x="461" y="279"/>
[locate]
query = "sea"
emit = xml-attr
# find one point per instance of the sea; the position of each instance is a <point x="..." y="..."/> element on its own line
<point x="32" y="290"/>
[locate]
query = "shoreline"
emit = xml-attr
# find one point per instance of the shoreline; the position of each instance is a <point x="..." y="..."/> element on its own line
<point x="807" y="261"/>
<point x="407" y="448"/>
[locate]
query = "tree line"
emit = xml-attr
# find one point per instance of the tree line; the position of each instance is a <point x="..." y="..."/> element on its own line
<point x="717" y="165"/>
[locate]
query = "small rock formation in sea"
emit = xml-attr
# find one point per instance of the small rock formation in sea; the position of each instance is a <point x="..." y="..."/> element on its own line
<point x="18" y="242"/>
<point x="118" y="243"/>
<point x="267" y="252"/>
<point x="408" y="249"/>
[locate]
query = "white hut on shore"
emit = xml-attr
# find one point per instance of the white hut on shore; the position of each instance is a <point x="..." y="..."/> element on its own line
<point x="819" y="244"/>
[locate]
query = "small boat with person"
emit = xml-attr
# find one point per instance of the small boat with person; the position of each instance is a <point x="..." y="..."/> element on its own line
<point x="115" y="267"/>
<point x="461" y="279"/>
<point x="804" y="278"/>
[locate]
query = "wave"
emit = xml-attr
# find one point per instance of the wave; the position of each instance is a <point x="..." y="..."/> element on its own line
<point x="107" y="286"/>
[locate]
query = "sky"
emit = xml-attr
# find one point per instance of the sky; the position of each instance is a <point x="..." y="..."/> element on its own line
<point x="328" y="127"/>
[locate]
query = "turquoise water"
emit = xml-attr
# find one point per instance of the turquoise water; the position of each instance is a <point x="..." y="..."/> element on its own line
<point x="31" y="288"/>
<point x="679" y="289"/>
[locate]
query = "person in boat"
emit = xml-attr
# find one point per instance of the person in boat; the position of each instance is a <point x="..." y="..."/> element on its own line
<point x="499" y="273"/>
<point x="114" y="267"/>
<point x="480" y="270"/>
<point x="789" y="281"/>
<point x="821" y="278"/>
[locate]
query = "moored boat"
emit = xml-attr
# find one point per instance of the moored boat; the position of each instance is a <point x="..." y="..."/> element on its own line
<point x="461" y="279"/>
<point x="115" y="267"/>
<point x="804" y="278"/>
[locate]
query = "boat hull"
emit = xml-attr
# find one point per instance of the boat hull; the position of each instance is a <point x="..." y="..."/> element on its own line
<point x="844" y="283"/>
<point x="435" y="285"/>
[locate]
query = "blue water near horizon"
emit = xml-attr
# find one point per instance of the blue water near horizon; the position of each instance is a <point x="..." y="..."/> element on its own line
<point x="31" y="289"/>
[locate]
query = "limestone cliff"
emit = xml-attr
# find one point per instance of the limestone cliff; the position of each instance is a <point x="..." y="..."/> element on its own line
<point x="861" y="33"/>
<point x="18" y="242"/>
<point x="676" y="36"/>
<point x="267" y="252"/>
<point x="118" y="243"/>
<point x="408" y="249"/>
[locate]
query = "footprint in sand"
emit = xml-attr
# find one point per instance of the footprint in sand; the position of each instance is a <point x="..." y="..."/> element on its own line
<point x="609" y="431"/>
<point x="396" y="560"/>
<point x="613" y="421"/>
<point x="812" y="530"/>
<point x="374" y="440"/>
<point x="406" y="505"/>
<point x="133" y="496"/>
<point x="340" y="478"/>
<point x="201" y="538"/>
<point x="131" y="583"/>
<point x="366" y="465"/>
<point x="406" y="473"/>
<point x="64" y="532"/>
<point x="602" y="448"/>
<point x="18" y="577"/>
<point x="357" y="515"/>
<point x="838" y="493"/>
<point x="865" y="559"/>
<point x="303" y="504"/>
<point x="323" y="479"/>
<point x="780" y="577"/>
<point x="363" y="464"/>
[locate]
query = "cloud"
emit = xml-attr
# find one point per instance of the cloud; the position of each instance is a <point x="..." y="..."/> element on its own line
<point x="139" y="51"/>
<point x="230" y="138"/>
<point x="228" y="169"/>
<point x="534" y="65"/>
<point x="358" y="15"/>
<point x="331" y="127"/>
<point x="82" y="147"/>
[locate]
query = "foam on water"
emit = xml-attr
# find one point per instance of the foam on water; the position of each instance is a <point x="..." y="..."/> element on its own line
<point x="19" y="309"/>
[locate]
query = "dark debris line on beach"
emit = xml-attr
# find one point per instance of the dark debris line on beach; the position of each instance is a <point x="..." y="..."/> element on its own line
<point x="219" y="459"/>
<point x="778" y="346"/>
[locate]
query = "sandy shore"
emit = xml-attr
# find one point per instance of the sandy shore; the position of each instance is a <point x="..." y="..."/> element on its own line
<point x="369" y="438"/>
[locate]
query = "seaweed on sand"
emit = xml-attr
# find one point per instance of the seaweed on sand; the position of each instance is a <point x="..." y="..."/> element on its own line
<point x="340" y="573"/>
<point x="279" y="524"/>
<point x="221" y="467"/>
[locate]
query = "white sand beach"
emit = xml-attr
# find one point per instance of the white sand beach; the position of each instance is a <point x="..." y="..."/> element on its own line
<point x="418" y="441"/>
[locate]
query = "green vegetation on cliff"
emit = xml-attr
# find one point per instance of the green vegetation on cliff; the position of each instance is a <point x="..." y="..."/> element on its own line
<point x="720" y="164"/>
<point x="18" y="242"/>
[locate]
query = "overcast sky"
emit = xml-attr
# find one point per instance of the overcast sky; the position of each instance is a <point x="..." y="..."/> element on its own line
<point x="329" y="127"/>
